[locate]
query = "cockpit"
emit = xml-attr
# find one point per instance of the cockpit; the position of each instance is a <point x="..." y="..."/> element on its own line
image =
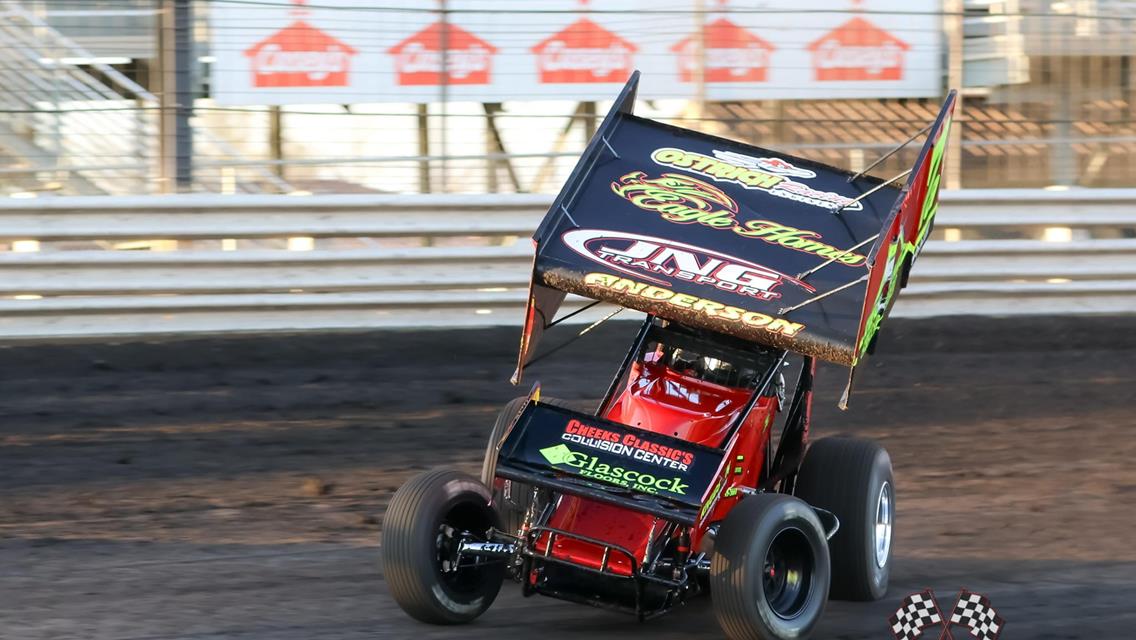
<point x="691" y="384"/>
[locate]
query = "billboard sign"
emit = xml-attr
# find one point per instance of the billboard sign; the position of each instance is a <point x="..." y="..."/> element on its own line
<point x="347" y="51"/>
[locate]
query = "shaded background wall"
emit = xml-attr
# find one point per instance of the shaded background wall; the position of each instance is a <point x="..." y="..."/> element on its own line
<point x="98" y="95"/>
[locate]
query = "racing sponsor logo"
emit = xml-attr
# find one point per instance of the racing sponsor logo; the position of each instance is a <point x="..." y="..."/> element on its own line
<point x="716" y="169"/>
<point x="495" y="548"/>
<point x="798" y="240"/>
<point x="775" y="166"/>
<point x="636" y="255"/>
<point x="934" y="177"/>
<point x="418" y="60"/>
<point x="300" y="55"/>
<point x="692" y="304"/>
<point x="751" y="176"/>
<point x="858" y="51"/>
<point x="628" y="445"/>
<point x="678" y="198"/>
<point x="712" y="500"/>
<point x="592" y="467"/>
<point x="584" y="52"/>
<point x="732" y="54"/>
<point x="685" y="200"/>
<point x="913" y="221"/>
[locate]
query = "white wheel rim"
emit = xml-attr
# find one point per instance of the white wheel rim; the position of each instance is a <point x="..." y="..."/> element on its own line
<point x="883" y="526"/>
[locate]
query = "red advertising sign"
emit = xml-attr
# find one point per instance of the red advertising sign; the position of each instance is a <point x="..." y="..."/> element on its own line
<point x="584" y="52"/>
<point x="300" y="55"/>
<point x="733" y="54"/>
<point x="281" y="52"/>
<point x="418" y="59"/>
<point x="858" y="51"/>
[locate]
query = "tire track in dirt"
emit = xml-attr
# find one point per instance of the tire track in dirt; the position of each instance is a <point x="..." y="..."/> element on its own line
<point x="233" y="487"/>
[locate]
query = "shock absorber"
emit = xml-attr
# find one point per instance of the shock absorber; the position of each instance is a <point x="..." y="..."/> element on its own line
<point x="682" y="552"/>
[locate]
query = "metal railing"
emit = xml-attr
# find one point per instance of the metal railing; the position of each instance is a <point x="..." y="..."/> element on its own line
<point x="1049" y="99"/>
<point x="278" y="263"/>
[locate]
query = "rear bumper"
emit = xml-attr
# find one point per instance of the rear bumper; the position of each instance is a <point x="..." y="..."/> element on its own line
<point x="637" y="592"/>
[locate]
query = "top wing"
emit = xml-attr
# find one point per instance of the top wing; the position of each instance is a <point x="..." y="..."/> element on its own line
<point x="716" y="234"/>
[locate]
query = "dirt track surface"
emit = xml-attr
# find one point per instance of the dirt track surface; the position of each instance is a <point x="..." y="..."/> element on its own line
<point x="233" y="488"/>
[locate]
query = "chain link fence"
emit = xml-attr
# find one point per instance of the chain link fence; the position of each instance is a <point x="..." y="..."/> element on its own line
<point x="91" y="104"/>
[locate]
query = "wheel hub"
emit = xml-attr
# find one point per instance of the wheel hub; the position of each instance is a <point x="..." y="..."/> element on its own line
<point x="787" y="573"/>
<point x="884" y="522"/>
<point x="454" y="533"/>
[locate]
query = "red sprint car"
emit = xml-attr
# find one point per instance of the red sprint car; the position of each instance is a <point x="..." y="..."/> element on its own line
<point x="694" y="474"/>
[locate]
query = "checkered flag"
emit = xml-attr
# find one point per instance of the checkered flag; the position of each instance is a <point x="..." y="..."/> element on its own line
<point x="917" y="612"/>
<point x="974" y="611"/>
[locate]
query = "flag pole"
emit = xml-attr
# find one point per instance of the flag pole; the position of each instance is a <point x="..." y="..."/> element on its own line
<point x="946" y="634"/>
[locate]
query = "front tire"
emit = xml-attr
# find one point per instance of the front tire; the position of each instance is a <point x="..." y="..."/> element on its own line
<point x="853" y="479"/>
<point x="769" y="574"/>
<point x="513" y="505"/>
<point x="424" y="520"/>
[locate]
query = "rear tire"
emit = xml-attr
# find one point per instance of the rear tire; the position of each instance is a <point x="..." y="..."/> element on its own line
<point x="419" y="528"/>
<point x="513" y="504"/>
<point x="769" y="573"/>
<point x="853" y="479"/>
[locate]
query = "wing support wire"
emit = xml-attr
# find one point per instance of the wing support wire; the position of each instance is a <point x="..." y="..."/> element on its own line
<point x="824" y="295"/>
<point x="804" y="274"/>
<point x="569" y="216"/>
<point x="574" y="313"/>
<point x="609" y="147"/>
<point x="576" y="337"/>
<point x="891" y="153"/>
<point x="871" y="191"/>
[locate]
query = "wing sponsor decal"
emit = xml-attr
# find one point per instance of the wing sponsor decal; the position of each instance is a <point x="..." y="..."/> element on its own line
<point x="611" y="453"/>
<point x="770" y="175"/>
<point x="595" y="468"/>
<point x="887" y="289"/>
<point x="644" y="256"/>
<point x="931" y="197"/>
<point x="687" y="304"/>
<point x="902" y="241"/>
<point x="627" y="445"/>
<point x="682" y="199"/>
<point x="679" y="198"/>
<point x="776" y="166"/>
<point x="796" y="239"/>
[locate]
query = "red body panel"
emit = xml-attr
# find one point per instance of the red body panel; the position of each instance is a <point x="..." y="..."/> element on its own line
<point x="614" y="525"/>
<point x="660" y="399"/>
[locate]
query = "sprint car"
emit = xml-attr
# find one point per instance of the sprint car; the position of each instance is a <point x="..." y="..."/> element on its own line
<point x="694" y="474"/>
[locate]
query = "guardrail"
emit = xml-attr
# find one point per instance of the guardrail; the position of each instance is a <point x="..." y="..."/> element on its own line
<point x="411" y="261"/>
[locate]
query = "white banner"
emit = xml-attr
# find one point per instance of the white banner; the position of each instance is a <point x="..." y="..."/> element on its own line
<point x="352" y="51"/>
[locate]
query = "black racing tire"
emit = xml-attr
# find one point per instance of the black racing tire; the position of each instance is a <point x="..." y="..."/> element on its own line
<point x="769" y="572"/>
<point x="853" y="479"/>
<point x="513" y="507"/>
<point x="504" y="419"/>
<point x="419" y="523"/>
